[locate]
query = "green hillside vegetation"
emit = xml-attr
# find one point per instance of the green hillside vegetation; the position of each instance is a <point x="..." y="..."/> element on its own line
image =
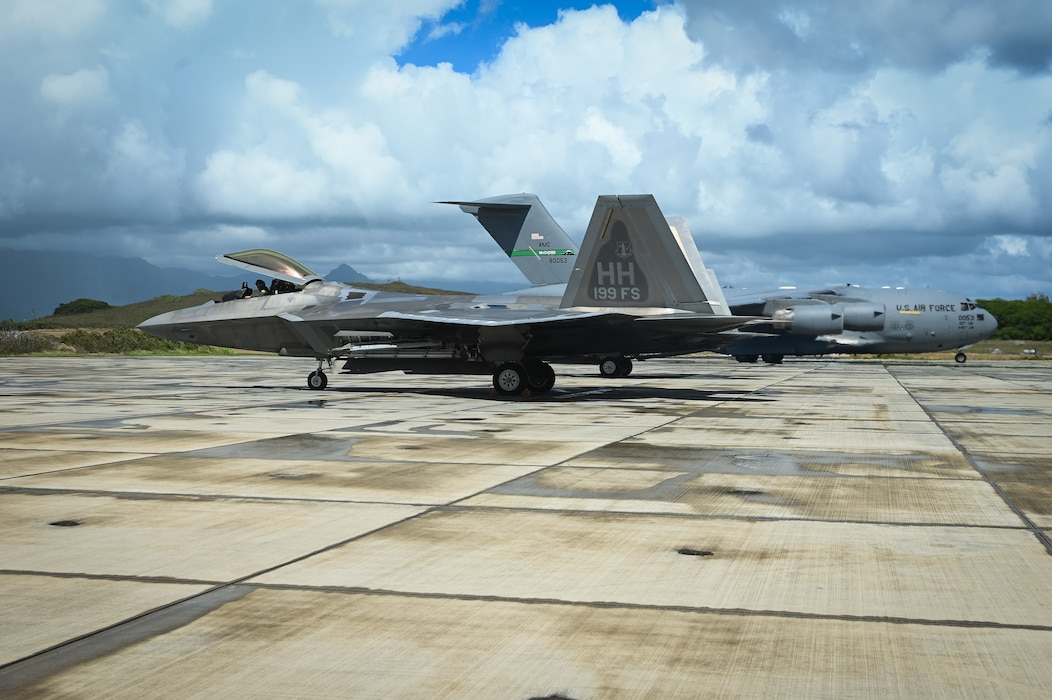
<point x="80" y="306"/>
<point x="127" y="316"/>
<point x="1021" y="319"/>
<point x="403" y="288"/>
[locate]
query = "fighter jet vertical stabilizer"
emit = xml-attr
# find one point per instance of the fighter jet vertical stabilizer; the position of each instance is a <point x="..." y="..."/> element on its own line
<point x="630" y="257"/>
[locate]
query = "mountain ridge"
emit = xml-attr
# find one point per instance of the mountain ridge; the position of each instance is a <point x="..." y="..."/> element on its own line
<point x="34" y="283"/>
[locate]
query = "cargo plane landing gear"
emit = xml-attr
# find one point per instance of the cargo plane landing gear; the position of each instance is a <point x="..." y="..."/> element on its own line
<point x="960" y="358"/>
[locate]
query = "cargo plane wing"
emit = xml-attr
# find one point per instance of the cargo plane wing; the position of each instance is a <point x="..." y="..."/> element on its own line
<point x="632" y="292"/>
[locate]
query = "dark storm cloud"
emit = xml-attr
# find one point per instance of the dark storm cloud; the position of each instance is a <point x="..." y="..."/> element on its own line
<point x="759" y="133"/>
<point x="847" y="37"/>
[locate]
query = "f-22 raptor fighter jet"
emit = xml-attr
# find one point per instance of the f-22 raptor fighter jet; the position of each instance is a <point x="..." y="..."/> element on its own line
<point x="840" y="319"/>
<point x="634" y="292"/>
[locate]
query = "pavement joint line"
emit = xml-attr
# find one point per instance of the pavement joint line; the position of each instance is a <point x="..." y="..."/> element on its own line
<point x="615" y="605"/>
<point x="722" y="516"/>
<point x="1044" y="539"/>
<point x="133" y="578"/>
<point x="132" y="457"/>
<point x="163" y="618"/>
<point x="168" y="496"/>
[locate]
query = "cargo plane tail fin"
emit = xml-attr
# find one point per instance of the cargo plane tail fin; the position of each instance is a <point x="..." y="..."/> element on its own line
<point x="528" y="234"/>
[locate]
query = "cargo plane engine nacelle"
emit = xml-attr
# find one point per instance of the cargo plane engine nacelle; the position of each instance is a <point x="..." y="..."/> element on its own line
<point x="863" y="316"/>
<point x="830" y="319"/>
<point x="813" y="319"/>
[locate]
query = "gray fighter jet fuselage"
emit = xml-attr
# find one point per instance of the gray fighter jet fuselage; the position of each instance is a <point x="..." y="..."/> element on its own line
<point x="633" y="293"/>
<point x="839" y="319"/>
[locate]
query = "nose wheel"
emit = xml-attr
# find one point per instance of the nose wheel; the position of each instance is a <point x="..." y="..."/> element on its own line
<point x="960" y="358"/>
<point x="317" y="380"/>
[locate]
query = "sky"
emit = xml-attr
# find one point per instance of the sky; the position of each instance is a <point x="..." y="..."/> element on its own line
<point x="806" y="143"/>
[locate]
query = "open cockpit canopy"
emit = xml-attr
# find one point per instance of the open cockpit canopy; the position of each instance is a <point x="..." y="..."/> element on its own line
<point x="270" y="263"/>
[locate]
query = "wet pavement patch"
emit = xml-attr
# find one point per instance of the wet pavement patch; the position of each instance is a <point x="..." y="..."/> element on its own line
<point x="688" y="552"/>
<point x="984" y="410"/>
<point x="290" y="447"/>
<point x="65" y="523"/>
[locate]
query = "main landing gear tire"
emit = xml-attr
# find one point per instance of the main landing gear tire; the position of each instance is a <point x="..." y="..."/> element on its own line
<point x="541" y="377"/>
<point x="511" y="379"/>
<point x="960" y="358"/>
<point x="773" y="359"/>
<point x="615" y="367"/>
<point x="747" y="358"/>
<point x="317" y="380"/>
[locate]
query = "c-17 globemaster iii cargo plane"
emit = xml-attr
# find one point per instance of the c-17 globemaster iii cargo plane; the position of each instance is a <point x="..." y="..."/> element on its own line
<point x="634" y="292"/>
<point x="838" y="319"/>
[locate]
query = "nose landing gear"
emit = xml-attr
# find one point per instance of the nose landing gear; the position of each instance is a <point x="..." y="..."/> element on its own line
<point x="318" y="380"/>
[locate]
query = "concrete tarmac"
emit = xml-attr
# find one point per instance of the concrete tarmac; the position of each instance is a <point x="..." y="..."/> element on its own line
<point x="208" y="527"/>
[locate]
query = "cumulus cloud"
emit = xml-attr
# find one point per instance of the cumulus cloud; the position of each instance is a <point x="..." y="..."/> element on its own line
<point x="85" y="87"/>
<point x="384" y="26"/>
<point x="181" y="14"/>
<point x="298" y="163"/>
<point x="48" y="20"/>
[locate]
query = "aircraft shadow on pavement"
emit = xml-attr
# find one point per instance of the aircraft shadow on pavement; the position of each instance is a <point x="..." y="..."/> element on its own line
<point x="571" y="394"/>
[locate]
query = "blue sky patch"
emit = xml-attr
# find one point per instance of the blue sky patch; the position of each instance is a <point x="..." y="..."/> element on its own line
<point x="474" y="32"/>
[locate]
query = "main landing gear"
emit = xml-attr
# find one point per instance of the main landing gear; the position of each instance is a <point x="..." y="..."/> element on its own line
<point x="615" y="366"/>
<point x="510" y="378"/>
<point x="513" y="378"/>
<point x="960" y="358"/>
